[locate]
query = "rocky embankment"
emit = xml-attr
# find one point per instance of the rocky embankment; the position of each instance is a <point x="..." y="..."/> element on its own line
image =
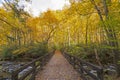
<point x="109" y="70"/>
<point x="6" y="69"/>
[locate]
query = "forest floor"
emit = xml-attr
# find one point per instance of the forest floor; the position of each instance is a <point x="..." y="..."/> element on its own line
<point x="58" y="68"/>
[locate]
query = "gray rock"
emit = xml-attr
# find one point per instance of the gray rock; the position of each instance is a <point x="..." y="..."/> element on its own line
<point x="110" y="71"/>
<point x="8" y="67"/>
<point x="24" y="71"/>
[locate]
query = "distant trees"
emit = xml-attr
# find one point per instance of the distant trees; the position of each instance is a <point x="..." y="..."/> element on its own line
<point x="50" y="22"/>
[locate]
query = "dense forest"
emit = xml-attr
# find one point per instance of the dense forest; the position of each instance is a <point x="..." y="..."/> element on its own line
<point x="88" y="29"/>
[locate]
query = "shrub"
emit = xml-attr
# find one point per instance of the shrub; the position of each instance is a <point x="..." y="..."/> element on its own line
<point x="38" y="49"/>
<point x="7" y="52"/>
<point x="31" y="51"/>
<point x="87" y="52"/>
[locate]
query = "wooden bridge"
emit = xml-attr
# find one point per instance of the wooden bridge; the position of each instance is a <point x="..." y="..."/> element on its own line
<point x="59" y="66"/>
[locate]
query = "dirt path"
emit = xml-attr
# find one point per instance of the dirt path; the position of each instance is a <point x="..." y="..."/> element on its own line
<point x="58" y="68"/>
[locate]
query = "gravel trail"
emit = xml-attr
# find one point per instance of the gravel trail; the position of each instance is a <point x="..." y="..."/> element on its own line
<point x="58" y="68"/>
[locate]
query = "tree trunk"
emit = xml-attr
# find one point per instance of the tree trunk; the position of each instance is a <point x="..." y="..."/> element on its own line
<point x="97" y="57"/>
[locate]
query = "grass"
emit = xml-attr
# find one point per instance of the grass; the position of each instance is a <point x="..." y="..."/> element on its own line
<point x="111" y="77"/>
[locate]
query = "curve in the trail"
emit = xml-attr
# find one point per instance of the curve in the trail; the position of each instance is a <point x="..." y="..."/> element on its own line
<point x="58" y="68"/>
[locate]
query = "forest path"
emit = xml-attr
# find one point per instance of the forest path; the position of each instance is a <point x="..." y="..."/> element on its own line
<point x="58" y="68"/>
